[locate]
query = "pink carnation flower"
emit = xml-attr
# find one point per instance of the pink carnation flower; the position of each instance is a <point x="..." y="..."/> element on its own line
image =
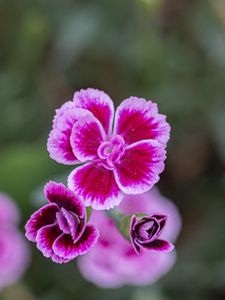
<point x="113" y="262"/>
<point x="13" y="261"/>
<point x="121" y="154"/>
<point x="59" y="228"/>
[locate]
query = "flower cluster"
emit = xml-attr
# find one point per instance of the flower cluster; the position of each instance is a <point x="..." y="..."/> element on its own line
<point x="120" y="156"/>
<point x="12" y="263"/>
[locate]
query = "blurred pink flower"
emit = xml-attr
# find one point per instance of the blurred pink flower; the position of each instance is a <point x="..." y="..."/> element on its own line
<point x="9" y="214"/>
<point x="121" y="152"/>
<point x="14" y="252"/>
<point x="113" y="262"/>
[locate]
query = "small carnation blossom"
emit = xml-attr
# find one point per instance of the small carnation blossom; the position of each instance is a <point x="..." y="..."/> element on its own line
<point x="13" y="261"/>
<point x="121" y="154"/>
<point x="59" y="228"/>
<point x="113" y="261"/>
<point x="145" y="232"/>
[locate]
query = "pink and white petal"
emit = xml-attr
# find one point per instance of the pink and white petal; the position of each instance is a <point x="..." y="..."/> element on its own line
<point x="59" y="260"/>
<point x="137" y="119"/>
<point x="87" y="135"/>
<point x="63" y="197"/>
<point x="140" y="166"/>
<point x="96" y="186"/>
<point x="46" y="236"/>
<point x="159" y="246"/>
<point x="97" y="102"/>
<point x="60" y="111"/>
<point x="66" y="248"/>
<point x="42" y="217"/>
<point x="58" y="144"/>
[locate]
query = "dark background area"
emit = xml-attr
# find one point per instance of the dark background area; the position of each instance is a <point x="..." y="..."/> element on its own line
<point x="172" y="51"/>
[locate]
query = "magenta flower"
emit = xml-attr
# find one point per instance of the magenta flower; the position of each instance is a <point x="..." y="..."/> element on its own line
<point x="59" y="228"/>
<point x="113" y="262"/>
<point x="145" y="232"/>
<point x="126" y="157"/>
<point x="12" y="263"/>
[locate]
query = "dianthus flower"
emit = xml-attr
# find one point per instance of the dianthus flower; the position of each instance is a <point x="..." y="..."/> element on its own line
<point x="145" y="233"/>
<point x="13" y="261"/>
<point x="59" y="228"/>
<point x="120" y="155"/>
<point x="113" y="261"/>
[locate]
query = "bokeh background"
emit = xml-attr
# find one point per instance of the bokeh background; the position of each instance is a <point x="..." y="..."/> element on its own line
<point x="172" y="51"/>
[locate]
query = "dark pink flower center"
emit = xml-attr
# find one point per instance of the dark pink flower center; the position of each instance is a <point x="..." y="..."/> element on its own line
<point x="111" y="151"/>
<point x="68" y="222"/>
<point x="147" y="230"/>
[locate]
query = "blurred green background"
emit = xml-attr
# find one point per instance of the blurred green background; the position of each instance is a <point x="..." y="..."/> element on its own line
<point x="172" y="51"/>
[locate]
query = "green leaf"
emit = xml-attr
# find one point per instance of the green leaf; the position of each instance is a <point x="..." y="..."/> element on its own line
<point x="88" y="212"/>
<point x="124" y="224"/>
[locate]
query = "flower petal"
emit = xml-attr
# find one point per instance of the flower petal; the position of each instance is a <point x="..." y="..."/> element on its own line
<point x="87" y="135"/>
<point x="159" y="246"/>
<point x="59" y="260"/>
<point x="162" y="219"/>
<point x="63" y="197"/>
<point x="66" y="248"/>
<point x="137" y="119"/>
<point x="58" y="145"/>
<point x="140" y="166"/>
<point x="60" y="111"/>
<point x="46" y="237"/>
<point x="132" y="236"/>
<point x="44" y="216"/>
<point x="96" y="185"/>
<point x="97" y="102"/>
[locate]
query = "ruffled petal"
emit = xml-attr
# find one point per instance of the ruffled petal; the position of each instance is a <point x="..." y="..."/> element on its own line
<point x="140" y="166"/>
<point x="87" y="135"/>
<point x="159" y="246"/>
<point x="137" y="119"/>
<point x="63" y="197"/>
<point x="59" y="260"/>
<point x="97" y="102"/>
<point x="96" y="186"/>
<point x="67" y="106"/>
<point x="42" y="217"/>
<point x="58" y="145"/>
<point x="46" y="237"/>
<point x="66" y="248"/>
